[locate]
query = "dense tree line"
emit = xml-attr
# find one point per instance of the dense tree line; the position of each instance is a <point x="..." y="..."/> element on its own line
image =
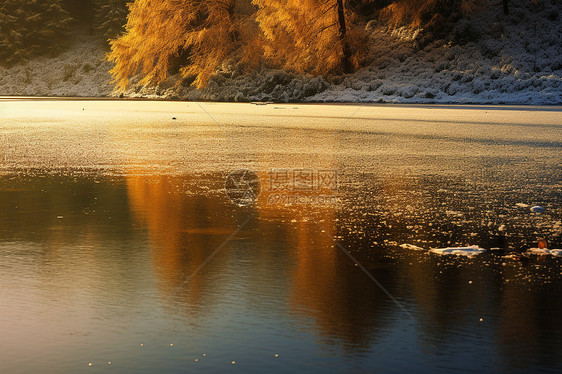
<point x="313" y="36"/>
<point x="152" y="39"/>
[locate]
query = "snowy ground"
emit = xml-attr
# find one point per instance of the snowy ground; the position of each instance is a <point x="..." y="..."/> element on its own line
<point x="514" y="59"/>
<point x="80" y="71"/>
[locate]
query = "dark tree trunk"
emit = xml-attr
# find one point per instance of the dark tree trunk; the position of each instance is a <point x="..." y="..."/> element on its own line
<point x="342" y="32"/>
<point x="505" y="7"/>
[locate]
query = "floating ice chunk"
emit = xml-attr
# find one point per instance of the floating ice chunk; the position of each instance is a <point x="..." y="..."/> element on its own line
<point x="459" y="251"/>
<point x="412" y="247"/>
<point x="545" y="251"/>
<point x="522" y="205"/>
<point x="537" y="209"/>
<point x="454" y="213"/>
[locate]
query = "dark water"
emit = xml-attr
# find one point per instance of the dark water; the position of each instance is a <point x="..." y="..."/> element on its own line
<point x="141" y="260"/>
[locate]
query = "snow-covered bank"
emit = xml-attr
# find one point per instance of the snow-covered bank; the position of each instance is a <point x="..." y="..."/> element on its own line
<point x="514" y="59"/>
<point x="80" y="71"/>
<point x="493" y="59"/>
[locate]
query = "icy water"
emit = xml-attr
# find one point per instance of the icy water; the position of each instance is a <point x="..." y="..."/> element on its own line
<point x="120" y="250"/>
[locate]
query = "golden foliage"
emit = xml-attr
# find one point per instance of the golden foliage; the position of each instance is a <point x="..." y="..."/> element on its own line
<point x="305" y="35"/>
<point x="206" y="32"/>
<point x="202" y="35"/>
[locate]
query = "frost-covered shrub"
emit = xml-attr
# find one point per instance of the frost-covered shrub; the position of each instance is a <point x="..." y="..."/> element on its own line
<point x="478" y="86"/>
<point x="465" y="32"/>
<point x="491" y="48"/>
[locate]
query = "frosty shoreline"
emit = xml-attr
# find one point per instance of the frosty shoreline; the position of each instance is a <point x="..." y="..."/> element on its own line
<point x="514" y="59"/>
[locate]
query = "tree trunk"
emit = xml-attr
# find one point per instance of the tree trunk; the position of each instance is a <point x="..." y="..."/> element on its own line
<point x="505" y="7"/>
<point x="342" y="32"/>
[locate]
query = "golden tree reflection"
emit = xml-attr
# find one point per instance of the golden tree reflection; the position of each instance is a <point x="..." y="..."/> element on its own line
<point x="183" y="229"/>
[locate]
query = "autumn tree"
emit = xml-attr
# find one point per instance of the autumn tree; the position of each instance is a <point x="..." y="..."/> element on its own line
<point x="310" y="35"/>
<point x="197" y="35"/>
<point x="32" y="27"/>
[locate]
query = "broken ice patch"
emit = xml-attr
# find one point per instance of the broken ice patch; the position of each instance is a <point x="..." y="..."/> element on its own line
<point x="459" y="251"/>
<point x="544" y="251"/>
<point x="411" y="247"/>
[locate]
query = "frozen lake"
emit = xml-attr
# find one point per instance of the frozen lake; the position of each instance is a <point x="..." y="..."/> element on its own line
<point x="120" y="248"/>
